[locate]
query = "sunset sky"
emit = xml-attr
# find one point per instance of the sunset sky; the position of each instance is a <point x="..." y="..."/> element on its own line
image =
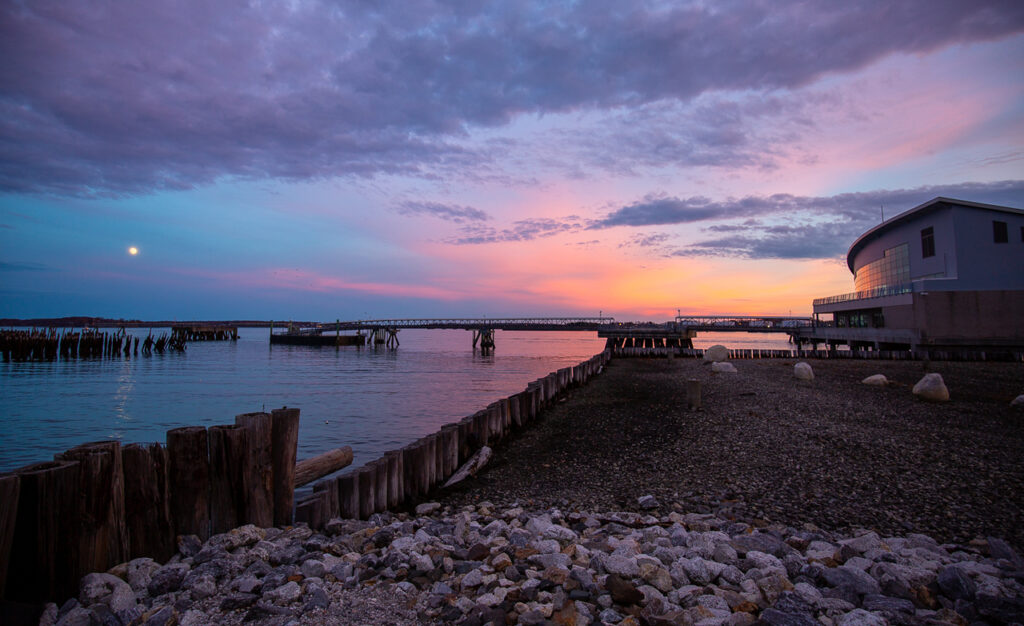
<point x="323" y="160"/>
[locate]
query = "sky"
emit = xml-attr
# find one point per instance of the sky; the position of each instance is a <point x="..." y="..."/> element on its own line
<point x="365" y="160"/>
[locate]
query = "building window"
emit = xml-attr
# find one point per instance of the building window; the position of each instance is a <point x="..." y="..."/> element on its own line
<point x="999" y="232"/>
<point x="892" y="269"/>
<point x="1022" y="234"/>
<point x="927" y="242"/>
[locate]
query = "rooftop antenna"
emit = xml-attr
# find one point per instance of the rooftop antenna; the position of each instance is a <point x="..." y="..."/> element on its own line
<point x="881" y="207"/>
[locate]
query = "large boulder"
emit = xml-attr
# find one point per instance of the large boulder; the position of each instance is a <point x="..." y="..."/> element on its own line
<point x="932" y="388"/>
<point x="878" y="380"/>
<point x="803" y="371"/>
<point x="716" y="353"/>
<point x="723" y="367"/>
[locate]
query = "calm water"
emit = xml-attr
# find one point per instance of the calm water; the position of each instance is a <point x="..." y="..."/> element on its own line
<point x="372" y="400"/>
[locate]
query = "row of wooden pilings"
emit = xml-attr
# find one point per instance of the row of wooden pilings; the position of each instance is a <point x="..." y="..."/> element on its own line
<point x="50" y="344"/>
<point x="406" y="475"/>
<point x="100" y="504"/>
<point x="883" y="355"/>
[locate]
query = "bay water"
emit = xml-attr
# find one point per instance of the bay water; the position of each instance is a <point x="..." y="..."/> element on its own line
<point x="372" y="399"/>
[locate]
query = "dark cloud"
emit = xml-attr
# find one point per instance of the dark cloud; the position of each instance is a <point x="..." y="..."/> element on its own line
<point x="652" y="240"/>
<point x="792" y="227"/>
<point x="450" y="213"/>
<point x="113" y="97"/>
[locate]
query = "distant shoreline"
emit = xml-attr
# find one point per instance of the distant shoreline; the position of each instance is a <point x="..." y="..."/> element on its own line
<point x="106" y="322"/>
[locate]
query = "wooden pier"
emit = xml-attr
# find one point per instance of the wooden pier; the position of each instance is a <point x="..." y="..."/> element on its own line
<point x="191" y="332"/>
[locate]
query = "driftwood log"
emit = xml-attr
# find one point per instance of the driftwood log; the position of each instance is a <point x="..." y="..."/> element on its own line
<point x="472" y="466"/>
<point x="308" y="470"/>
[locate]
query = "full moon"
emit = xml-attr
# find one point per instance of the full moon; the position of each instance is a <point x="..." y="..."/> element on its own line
<point x="133" y="250"/>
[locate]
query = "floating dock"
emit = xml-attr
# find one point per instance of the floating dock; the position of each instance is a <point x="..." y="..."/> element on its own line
<point x="314" y="336"/>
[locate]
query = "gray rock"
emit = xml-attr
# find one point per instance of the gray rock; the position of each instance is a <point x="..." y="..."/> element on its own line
<point x="932" y="388"/>
<point x="427" y="508"/>
<point x="803" y="371"/>
<point x="77" y="616"/>
<point x="621" y="565"/>
<point x="956" y="584"/>
<point x="236" y="601"/>
<point x="885" y="604"/>
<point x="648" y="502"/>
<point x="609" y="616"/>
<point x="312" y="568"/>
<point x="189" y="545"/>
<point x="859" y="580"/>
<point x="161" y="616"/>
<point x="203" y="587"/>
<point x="167" y="579"/>
<point x="285" y="594"/>
<point x="775" y="617"/>
<point x="106" y="589"/>
<point x="860" y="617"/>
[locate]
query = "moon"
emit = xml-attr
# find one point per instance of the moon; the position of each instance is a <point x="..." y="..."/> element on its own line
<point x="133" y="250"/>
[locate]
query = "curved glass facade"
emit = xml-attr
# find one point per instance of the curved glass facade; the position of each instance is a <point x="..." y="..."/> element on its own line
<point x="892" y="269"/>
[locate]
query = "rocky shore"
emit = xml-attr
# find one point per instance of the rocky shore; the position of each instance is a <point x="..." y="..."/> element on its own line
<point x="485" y="564"/>
<point x="767" y="447"/>
<point x="783" y="501"/>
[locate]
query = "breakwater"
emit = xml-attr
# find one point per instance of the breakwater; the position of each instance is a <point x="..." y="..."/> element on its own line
<point x="403" y="476"/>
<point x="99" y="504"/>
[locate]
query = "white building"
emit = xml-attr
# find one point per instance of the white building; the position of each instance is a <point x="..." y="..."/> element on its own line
<point x="947" y="273"/>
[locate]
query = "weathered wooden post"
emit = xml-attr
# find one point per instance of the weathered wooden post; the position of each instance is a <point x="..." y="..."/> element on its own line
<point x="147" y="502"/>
<point x="329" y="487"/>
<point x="395" y="475"/>
<point x="693" y="399"/>
<point x="188" y="451"/>
<point x="381" y="479"/>
<point x="465" y="439"/>
<point x="232" y="476"/>
<point x="284" y="445"/>
<point x="9" y="488"/>
<point x="44" y="550"/>
<point x="367" y="491"/>
<point x="429" y="463"/>
<point x="102" y="533"/>
<point x="261" y="500"/>
<point x="348" y="495"/>
<point x="409" y="472"/>
<point x="450" y="447"/>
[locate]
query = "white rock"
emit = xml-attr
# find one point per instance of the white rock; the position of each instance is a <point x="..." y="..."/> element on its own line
<point x="1018" y="401"/>
<point x="723" y="367"/>
<point x="878" y="380"/>
<point x="931" y="388"/>
<point x="621" y="565"/>
<point x="716" y="353"/>
<point x="803" y="371"/>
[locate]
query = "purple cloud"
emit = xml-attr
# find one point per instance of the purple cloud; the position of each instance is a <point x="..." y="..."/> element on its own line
<point x="449" y="213"/>
<point x="814" y="228"/>
<point x="114" y="98"/>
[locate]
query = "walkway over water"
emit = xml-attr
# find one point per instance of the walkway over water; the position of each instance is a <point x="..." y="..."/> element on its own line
<point x="478" y="323"/>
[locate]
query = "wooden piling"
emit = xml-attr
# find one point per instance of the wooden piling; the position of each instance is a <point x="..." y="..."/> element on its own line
<point x="260" y="427"/>
<point x="381" y="480"/>
<point x="44" y="550"/>
<point x="9" y="488"/>
<point x="450" y="450"/>
<point x="466" y="436"/>
<point x="409" y="472"/>
<point x="430" y="463"/>
<point x="101" y="532"/>
<point x="331" y="504"/>
<point x="367" y="491"/>
<point x="693" y="394"/>
<point x="232" y="477"/>
<point x="348" y="495"/>
<point x="284" y="444"/>
<point x="311" y="510"/>
<point x="147" y="503"/>
<point x="395" y="475"/>
<point x="189" y="463"/>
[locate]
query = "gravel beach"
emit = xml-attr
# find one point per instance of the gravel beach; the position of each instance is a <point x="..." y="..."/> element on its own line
<point x="770" y="448"/>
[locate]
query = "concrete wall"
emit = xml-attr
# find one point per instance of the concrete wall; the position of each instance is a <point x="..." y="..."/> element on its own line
<point x="965" y="315"/>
